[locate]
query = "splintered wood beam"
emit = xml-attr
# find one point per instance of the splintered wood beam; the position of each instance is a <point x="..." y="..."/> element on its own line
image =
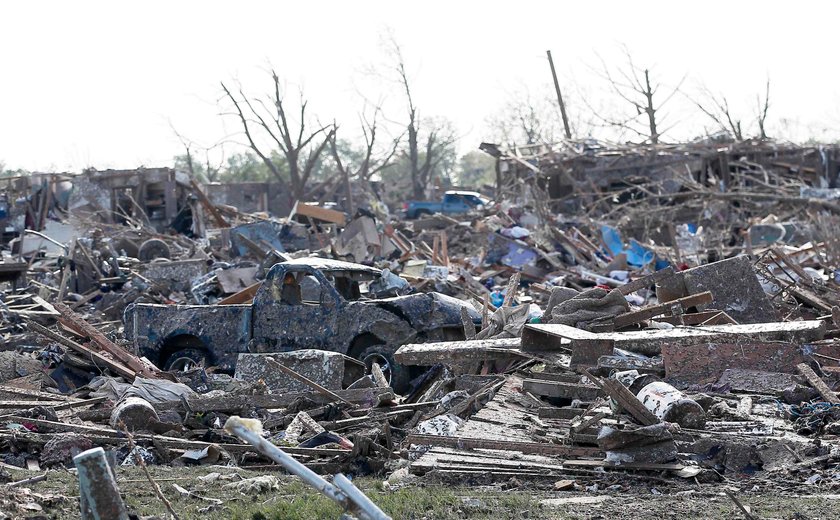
<point x="816" y="381"/>
<point x="77" y="324"/>
<point x="208" y="205"/>
<point x="630" y="318"/>
<point x="625" y="398"/>
<point x="98" y="359"/>
<point x="363" y="396"/>
<point x="542" y="448"/>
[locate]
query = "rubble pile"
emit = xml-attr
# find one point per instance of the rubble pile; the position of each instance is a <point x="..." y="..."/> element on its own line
<point x="617" y="316"/>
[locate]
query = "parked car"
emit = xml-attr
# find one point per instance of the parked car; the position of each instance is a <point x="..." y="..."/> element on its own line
<point x="453" y="203"/>
<point x="302" y="304"/>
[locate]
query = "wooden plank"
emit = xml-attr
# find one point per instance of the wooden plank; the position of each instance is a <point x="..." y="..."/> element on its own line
<point x="560" y="389"/>
<point x="45" y="304"/>
<point x="552" y="412"/>
<point x="244" y="296"/>
<point x="208" y="205"/>
<point x="816" y="381"/>
<point x="366" y="396"/>
<point x="77" y="324"/>
<point x="35" y="394"/>
<point x="97" y="358"/>
<point x="697" y="318"/>
<point x="626" y="465"/>
<point x="65" y="272"/>
<point x="488" y="444"/>
<point x="113" y="437"/>
<point x="24" y="404"/>
<point x="458" y="351"/>
<point x="53" y="405"/>
<point x="630" y="318"/>
<point x="625" y="399"/>
<point x="566" y="377"/>
<point x="317" y="212"/>
<point x="650" y="341"/>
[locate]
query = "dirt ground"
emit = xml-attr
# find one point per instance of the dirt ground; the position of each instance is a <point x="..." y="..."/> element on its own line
<point x="57" y="497"/>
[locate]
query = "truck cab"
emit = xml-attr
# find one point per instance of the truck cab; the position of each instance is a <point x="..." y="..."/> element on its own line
<point x="453" y="203"/>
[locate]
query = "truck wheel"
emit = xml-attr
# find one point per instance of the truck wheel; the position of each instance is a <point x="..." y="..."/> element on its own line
<point x="422" y="213"/>
<point x="153" y="248"/>
<point x="383" y="355"/>
<point x="186" y="359"/>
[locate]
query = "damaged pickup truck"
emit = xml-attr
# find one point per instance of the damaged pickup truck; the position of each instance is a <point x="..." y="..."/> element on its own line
<point x="302" y="304"/>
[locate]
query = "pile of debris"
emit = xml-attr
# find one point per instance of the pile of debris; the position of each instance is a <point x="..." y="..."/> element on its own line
<point x="508" y="343"/>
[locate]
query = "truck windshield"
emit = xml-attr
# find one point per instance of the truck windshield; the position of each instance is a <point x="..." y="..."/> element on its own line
<point x="473" y="200"/>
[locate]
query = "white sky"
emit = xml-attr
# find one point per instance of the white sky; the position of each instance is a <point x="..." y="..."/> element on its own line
<point x="97" y="83"/>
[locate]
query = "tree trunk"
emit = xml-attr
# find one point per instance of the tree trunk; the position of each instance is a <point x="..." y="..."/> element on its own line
<point x="651" y="112"/>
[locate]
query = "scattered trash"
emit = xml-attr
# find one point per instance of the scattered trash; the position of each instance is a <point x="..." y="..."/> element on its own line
<point x="549" y="335"/>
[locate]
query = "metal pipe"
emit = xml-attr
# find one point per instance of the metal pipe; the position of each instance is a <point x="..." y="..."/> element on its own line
<point x="362" y="502"/>
<point x="348" y="501"/>
<point x="48" y="239"/>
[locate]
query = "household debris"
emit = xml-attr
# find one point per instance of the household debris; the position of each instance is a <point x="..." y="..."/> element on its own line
<point x="681" y="327"/>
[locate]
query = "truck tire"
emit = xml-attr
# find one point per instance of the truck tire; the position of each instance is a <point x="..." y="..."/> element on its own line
<point x="185" y="359"/>
<point x="153" y="248"/>
<point x="422" y="213"/>
<point x="398" y="376"/>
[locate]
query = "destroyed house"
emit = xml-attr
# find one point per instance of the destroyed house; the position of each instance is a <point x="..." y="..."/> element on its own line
<point x="590" y="169"/>
<point x="151" y="195"/>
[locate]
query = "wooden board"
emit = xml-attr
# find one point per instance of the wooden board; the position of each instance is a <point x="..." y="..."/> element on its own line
<point x="458" y="351"/>
<point x="649" y="341"/>
<point x="542" y="448"/>
<point x="317" y="212"/>
<point x="560" y="389"/>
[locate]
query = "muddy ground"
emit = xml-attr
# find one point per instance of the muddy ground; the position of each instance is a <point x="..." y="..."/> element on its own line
<point x="57" y="497"/>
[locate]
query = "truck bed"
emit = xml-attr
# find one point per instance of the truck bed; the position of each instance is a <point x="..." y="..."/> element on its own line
<point x="153" y="326"/>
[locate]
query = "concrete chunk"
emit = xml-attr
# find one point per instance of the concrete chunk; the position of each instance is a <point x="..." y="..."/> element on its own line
<point x="705" y="363"/>
<point x="325" y="368"/>
<point x="757" y="381"/>
<point x="735" y="289"/>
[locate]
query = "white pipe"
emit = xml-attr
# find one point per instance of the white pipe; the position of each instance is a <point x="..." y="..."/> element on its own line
<point x="346" y="494"/>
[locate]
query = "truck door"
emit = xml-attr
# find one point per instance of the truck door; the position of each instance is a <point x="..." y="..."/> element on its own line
<point x="452" y="204"/>
<point x="297" y="311"/>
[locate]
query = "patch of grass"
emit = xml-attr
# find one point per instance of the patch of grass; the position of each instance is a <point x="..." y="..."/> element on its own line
<point x="419" y="501"/>
<point x="296" y="501"/>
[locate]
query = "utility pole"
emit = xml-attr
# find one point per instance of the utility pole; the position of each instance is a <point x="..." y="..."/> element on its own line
<point x="559" y="97"/>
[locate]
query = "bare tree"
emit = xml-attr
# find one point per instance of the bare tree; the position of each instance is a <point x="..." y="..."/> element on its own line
<point x="427" y="138"/>
<point x="372" y="160"/>
<point x="717" y="109"/>
<point x="524" y="119"/>
<point x="209" y="171"/>
<point x="294" y="141"/>
<point x="635" y="87"/>
<point x="761" y="116"/>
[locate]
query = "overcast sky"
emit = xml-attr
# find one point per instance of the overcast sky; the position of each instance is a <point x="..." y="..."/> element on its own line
<point x="99" y="83"/>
